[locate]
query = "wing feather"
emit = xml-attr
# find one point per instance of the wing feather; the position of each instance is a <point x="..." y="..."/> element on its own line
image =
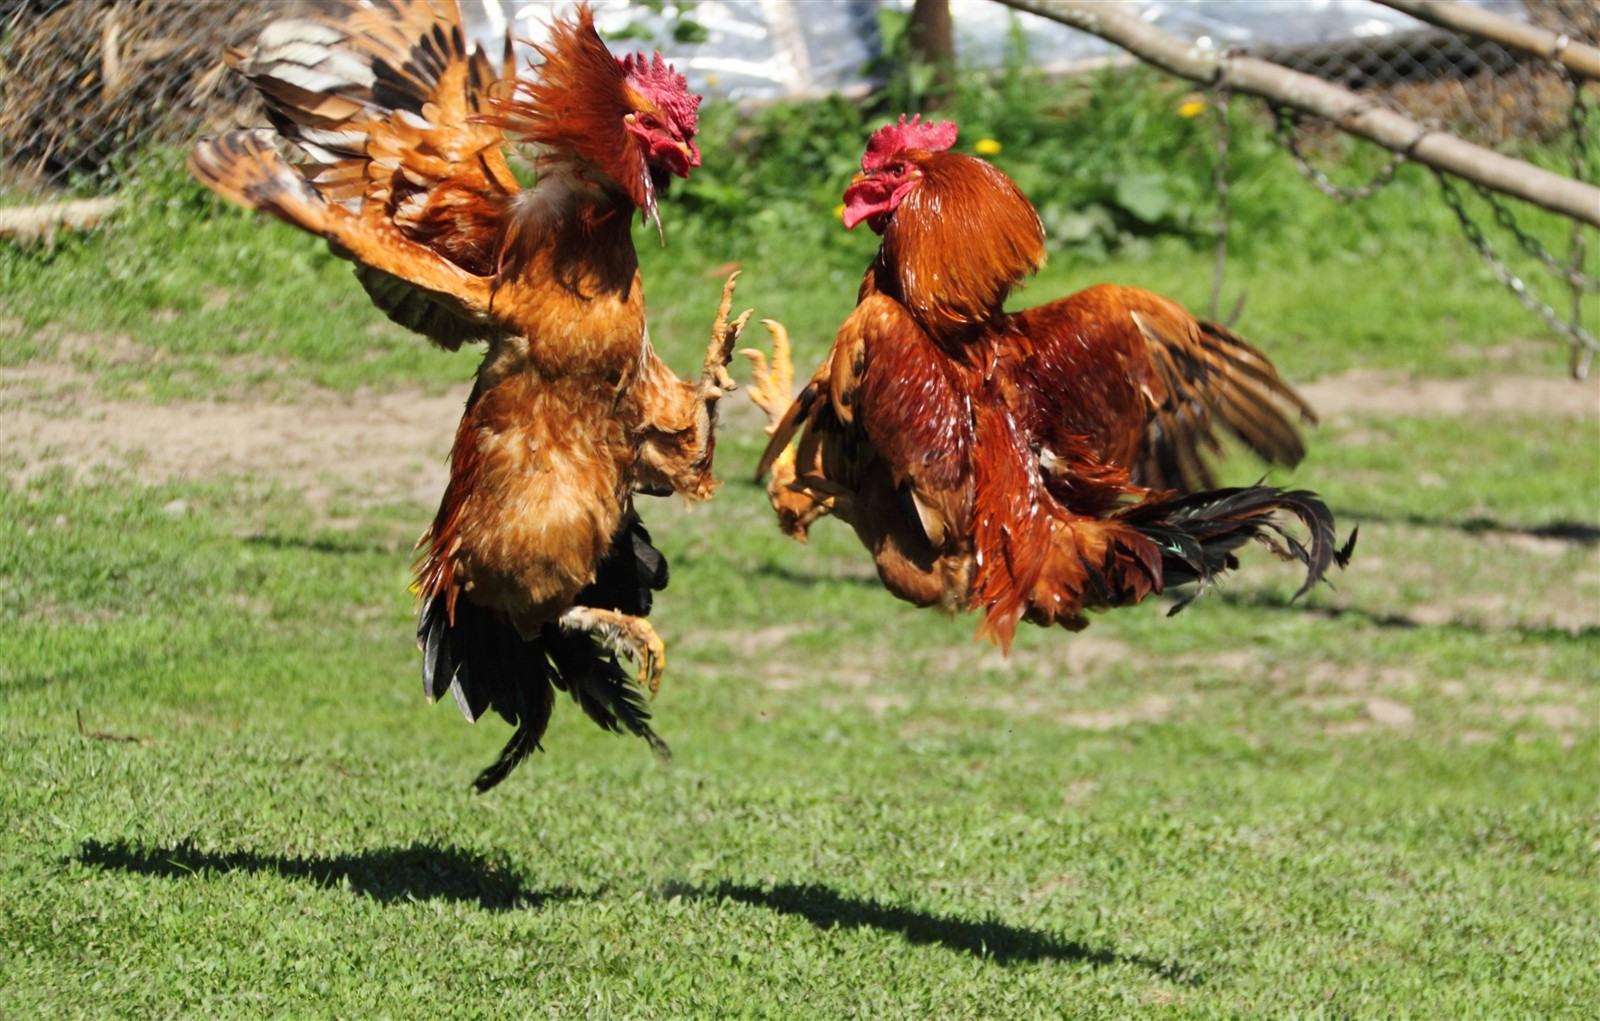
<point x="1210" y="381"/>
<point x="1153" y="389"/>
<point x="882" y="395"/>
<point x="380" y="106"/>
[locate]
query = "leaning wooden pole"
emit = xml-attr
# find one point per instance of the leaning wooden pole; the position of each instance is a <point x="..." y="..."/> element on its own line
<point x="1579" y="58"/>
<point x="1350" y="112"/>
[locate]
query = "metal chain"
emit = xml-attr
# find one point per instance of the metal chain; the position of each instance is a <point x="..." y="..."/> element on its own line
<point x="1568" y="271"/>
<point x="1584" y="344"/>
<point x="1341" y="193"/>
<point x="1222" y="94"/>
<point x="1577" y="123"/>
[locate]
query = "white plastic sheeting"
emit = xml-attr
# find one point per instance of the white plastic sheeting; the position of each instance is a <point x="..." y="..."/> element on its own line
<point x="777" y="48"/>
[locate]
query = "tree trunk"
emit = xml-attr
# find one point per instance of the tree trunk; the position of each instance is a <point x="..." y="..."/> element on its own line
<point x="933" y="44"/>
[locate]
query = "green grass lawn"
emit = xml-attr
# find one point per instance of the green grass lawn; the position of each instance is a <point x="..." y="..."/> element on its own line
<point x="227" y="798"/>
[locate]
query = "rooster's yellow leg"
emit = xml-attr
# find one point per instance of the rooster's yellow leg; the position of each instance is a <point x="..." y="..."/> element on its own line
<point x="632" y="636"/>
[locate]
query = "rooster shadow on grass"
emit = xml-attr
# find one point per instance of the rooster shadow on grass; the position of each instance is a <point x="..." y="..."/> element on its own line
<point x="989" y="938"/>
<point x="417" y="871"/>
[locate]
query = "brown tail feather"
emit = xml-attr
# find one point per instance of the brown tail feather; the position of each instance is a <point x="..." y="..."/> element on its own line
<point x="1037" y="561"/>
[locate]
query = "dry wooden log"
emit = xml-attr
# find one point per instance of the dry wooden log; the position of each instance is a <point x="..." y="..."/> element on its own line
<point x="26" y="224"/>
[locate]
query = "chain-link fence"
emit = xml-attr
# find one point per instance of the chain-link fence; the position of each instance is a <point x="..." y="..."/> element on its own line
<point x="85" y="84"/>
<point x="1497" y="98"/>
<point x="1480" y="90"/>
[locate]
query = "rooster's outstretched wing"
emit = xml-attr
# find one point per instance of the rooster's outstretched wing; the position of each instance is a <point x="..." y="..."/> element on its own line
<point x="381" y="145"/>
<point x="1194" y="381"/>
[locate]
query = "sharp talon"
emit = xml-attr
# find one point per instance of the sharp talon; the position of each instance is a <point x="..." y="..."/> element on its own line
<point x="782" y="363"/>
<point x="773" y="388"/>
<point x="630" y="635"/>
<point x="650" y="672"/>
<point x="714" y="379"/>
<point x="723" y="307"/>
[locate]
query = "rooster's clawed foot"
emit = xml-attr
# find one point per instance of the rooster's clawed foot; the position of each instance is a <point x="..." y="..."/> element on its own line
<point x="630" y="635"/>
<point x="774" y="381"/>
<point x="714" y="378"/>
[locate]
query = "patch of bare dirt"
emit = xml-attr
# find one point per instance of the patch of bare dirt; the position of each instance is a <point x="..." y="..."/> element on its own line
<point x="1023" y="705"/>
<point x="1376" y="713"/>
<point x="1386" y="712"/>
<point x="1078" y="656"/>
<point x="1150" y="709"/>
<point x="873" y="705"/>
<point x="1522" y="542"/>
<point x="1362" y="392"/>
<point x="1079" y="794"/>
<point x="1322" y="677"/>
<point x="385" y="446"/>
<point x="394" y="445"/>
<point x="760" y="642"/>
<point x="1505" y="609"/>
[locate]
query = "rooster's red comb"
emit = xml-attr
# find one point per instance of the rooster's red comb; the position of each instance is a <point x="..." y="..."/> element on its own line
<point x="659" y="82"/>
<point x="913" y="134"/>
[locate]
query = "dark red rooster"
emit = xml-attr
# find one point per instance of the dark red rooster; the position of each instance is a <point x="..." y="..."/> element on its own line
<point x="1032" y="465"/>
<point x="391" y="142"/>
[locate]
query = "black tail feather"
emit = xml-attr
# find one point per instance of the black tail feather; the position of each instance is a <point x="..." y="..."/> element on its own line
<point x="601" y="686"/>
<point x="524" y="741"/>
<point x="1198" y="534"/>
<point x="483" y="661"/>
<point x="479" y="659"/>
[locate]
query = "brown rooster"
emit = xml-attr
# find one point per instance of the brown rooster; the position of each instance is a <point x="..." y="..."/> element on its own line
<point x="1032" y="465"/>
<point x="536" y="569"/>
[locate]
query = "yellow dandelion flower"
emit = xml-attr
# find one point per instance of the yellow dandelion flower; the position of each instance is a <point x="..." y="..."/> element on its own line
<point x="838" y="211"/>
<point x="1193" y="105"/>
<point x="987" y="147"/>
